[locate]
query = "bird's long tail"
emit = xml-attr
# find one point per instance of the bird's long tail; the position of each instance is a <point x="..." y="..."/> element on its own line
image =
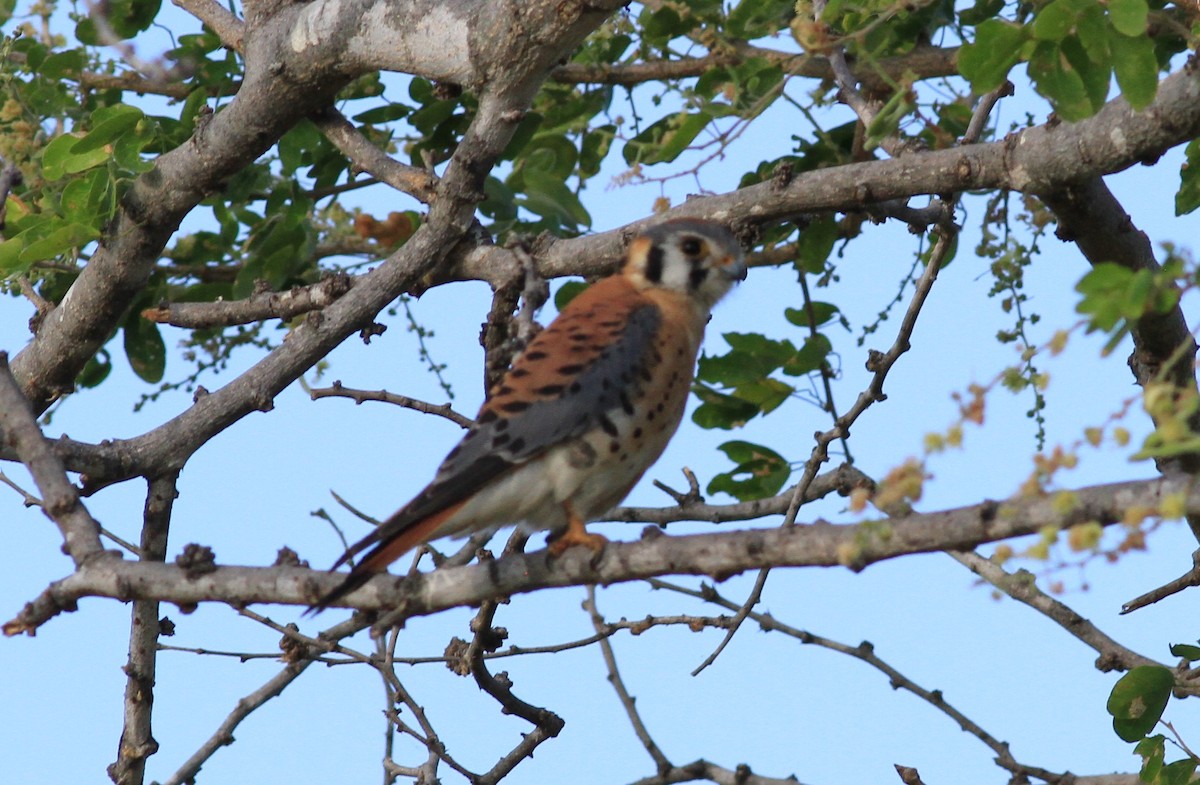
<point x="392" y="539"/>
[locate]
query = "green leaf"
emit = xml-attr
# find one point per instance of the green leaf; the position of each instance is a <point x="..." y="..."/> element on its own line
<point x="10" y="257"/>
<point x="983" y="9"/>
<point x="127" y="18"/>
<point x="96" y="370"/>
<point x="1092" y="30"/>
<point x="1177" y="773"/>
<point x="1136" y="67"/>
<point x="887" y="121"/>
<point x="719" y="410"/>
<point x="821" y="313"/>
<point x="144" y="348"/>
<point x="752" y="19"/>
<point x="767" y="394"/>
<point x="68" y="63"/>
<point x="1185" y="650"/>
<point x="568" y="292"/>
<point x="108" y="128"/>
<point x="663" y="141"/>
<point x="59" y="159"/>
<point x="64" y="237"/>
<point x="525" y="131"/>
<point x="760" y="472"/>
<point x="816" y="243"/>
<point x="1058" y="81"/>
<point x="1138" y="699"/>
<point x="996" y="49"/>
<point x="551" y="154"/>
<point x="1153" y="750"/>
<point x="84" y="199"/>
<point x="550" y="198"/>
<point x="1128" y="16"/>
<point x="1096" y="77"/>
<point x="1055" y="21"/>
<point x="383" y="114"/>
<point x="752" y="357"/>
<point x="810" y="357"/>
<point x="1187" y="198"/>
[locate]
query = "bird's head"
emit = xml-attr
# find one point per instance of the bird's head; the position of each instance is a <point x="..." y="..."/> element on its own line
<point x="698" y="258"/>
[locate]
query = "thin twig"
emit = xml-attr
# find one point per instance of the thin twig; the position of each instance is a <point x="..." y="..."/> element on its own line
<point x="337" y="390"/>
<point x="1186" y="581"/>
<point x="661" y="762"/>
<point x="865" y="652"/>
<point x="256" y="308"/>
<point x="881" y="366"/>
<point x="241" y="710"/>
<point x="418" y="183"/>
<point x="547" y="724"/>
<point x="1022" y="586"/>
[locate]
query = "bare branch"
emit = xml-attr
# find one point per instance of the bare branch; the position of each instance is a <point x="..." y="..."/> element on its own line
<point x="219" y="19"/>
<point x="842" y="480"/>
<point x="1186" y="581"/>
<point x="367" y="157"/>
<point x="661" y="763"/>
<point x="865" y="652"/>
<point x="337" y="390"/>
<point x="137" y="741"/>
<point x="60" y="501"/>
<point x="244" y="707"/>
<point x="257" y="307"/>
<point x="720" y="555"/>
<point x="1022" y="586"/>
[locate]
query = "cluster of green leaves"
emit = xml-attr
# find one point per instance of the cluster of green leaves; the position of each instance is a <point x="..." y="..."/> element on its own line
<point x="741" y="384"/>
<point x="77" y="159"/>
<point x="1114" y="297"/>
<point x="1073" y="49"/>
<point x="1137" y="703"/>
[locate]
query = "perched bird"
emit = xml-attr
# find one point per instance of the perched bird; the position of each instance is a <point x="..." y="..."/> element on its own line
<point x="586" y="408"/>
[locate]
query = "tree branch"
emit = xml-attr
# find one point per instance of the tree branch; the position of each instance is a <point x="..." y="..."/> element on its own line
<point x="60" y="501"/>
<point x="337" y="390"/>
<point x="719" y="555"/>
<point x="257" y="307"/>
<point x="367" y="157"/>
<point x="1022" y="586"/>
<point x="137" y="741"/>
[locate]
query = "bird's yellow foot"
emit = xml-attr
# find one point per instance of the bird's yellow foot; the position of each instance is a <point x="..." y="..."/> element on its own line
<point x="576" y="534"/>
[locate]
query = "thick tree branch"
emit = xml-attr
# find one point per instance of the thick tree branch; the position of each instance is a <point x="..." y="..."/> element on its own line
<point x="1163" y="347"/>
<point x="280" y="87"/>
<point x="1036" y="160"/>
<point x="717" y="555"/>
<point x="60" y="501"/>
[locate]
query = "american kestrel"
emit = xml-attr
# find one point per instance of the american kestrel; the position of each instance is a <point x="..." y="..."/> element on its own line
<point x="584" y="411"/>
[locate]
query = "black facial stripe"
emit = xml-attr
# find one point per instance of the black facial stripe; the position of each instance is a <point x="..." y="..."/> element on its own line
<point x="697" y="274"/>
<point x="654" y="264"/>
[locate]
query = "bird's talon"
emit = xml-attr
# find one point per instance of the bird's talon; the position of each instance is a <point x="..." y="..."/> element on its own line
<point x="572" y="537"/>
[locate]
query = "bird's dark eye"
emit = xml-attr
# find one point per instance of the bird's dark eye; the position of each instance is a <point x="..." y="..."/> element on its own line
<point x="691" y="246"/>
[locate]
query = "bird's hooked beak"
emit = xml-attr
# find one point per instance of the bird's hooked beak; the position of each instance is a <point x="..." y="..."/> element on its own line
<point x="733" y="267"/>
